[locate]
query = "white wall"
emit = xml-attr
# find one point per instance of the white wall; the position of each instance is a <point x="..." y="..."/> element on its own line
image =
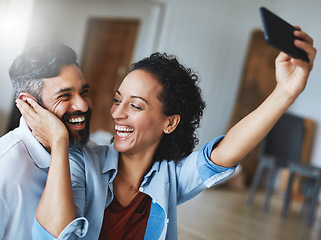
<point x="69" y="23"/>
<point x="210" y="36"/>
<point x="15" y="17"/>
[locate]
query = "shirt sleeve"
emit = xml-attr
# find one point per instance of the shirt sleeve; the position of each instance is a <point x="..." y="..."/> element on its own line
<point x="209" y="172"/>
<point x="77" y="228"/>
<point x="197" y="172"/>
<point x="38" y="232"/>
<point x="78" y="181"/>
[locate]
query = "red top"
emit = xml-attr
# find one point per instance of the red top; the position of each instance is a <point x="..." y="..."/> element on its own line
<point x="126" y="223"/>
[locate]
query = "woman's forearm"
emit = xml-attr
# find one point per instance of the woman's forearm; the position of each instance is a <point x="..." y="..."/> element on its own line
<point x="56" y="208"/>
<point x="291" y="76"/>
<point x="247" y="133"/>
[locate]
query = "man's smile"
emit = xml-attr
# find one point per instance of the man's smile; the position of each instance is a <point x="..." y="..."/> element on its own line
<point x="77" y="120"/>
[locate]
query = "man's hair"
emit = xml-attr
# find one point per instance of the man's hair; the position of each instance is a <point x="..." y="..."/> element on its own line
<point x="180" y="95"/>
<point x="38" y="62"/>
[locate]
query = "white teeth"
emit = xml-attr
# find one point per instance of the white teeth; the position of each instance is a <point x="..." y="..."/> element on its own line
<point x="77" y="120"/>
<point x="123" y="129"/>
<point x="122" y="134"/>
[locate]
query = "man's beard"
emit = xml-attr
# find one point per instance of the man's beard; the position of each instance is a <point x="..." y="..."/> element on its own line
<point x="81" y="137"/>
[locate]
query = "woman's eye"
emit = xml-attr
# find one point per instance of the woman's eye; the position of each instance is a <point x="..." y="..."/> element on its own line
<point x="136" y="107"/>
<point x="116" y="101"/>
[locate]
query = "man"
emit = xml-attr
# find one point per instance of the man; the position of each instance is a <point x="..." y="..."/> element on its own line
<point x="50" y="74"/>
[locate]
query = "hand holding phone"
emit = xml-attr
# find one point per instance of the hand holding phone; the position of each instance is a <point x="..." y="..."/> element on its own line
<point x="279" y="34"/>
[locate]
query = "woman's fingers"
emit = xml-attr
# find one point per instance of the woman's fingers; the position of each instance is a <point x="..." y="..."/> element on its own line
<point x="34" y="105"/>
<point x="304" y="36"/>
<point x="30" y="110"/>
<point x="38" y="119"/>
<point x="26" y="111"/>
<point x="283" y="57"/>
<point x="305" y="42"/>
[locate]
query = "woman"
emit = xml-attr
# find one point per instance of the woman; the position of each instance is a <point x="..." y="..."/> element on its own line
<point x="156" y="111"/>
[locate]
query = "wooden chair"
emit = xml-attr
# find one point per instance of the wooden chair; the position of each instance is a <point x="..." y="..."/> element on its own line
<point x="310" y="178"/>
<point x="288" y="143"/>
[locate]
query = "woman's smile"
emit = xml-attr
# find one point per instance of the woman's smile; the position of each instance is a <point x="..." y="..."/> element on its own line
<point x="123" y="131"/>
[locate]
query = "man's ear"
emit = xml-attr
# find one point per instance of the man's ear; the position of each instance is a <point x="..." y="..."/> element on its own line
<point x="172" y="123"/>
<point x="23" y="96"/>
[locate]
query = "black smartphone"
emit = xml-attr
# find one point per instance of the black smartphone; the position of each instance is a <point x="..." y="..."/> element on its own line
<point x="279" y="34"/>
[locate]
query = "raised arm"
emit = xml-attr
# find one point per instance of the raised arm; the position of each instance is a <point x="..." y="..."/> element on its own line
<point x="291" y="76"/>
<point x="56" y="208"/>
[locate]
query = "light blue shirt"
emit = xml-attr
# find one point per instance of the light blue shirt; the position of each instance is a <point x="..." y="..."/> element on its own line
<point x="168" y="183"/>
<point x="24" y="165"/>
<point x="23" y="173"/>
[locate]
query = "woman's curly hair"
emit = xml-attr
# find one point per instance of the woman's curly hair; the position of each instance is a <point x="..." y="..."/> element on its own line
<point x="180" y="95"/>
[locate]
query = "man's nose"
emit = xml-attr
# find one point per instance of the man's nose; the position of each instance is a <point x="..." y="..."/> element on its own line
<point x="79" y="104"/>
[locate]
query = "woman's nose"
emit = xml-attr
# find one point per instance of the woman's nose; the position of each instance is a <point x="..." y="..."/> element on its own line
<point x="118" y="111"/>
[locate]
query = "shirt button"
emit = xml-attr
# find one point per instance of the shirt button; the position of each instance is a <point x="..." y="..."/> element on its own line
<point x="167" y="220"/>
<point x="141" y="189"/>
<point x="154" y="200"/>
<point x="78" y="231"/>
<point x="74" y="223"/>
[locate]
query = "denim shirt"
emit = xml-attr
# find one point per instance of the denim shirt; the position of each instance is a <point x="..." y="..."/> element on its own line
<point x="168" y="183"/>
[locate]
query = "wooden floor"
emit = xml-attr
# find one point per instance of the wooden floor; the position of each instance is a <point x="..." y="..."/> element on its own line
<point x="223" y="215"/>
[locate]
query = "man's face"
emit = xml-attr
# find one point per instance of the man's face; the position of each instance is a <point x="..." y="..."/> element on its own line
<point x="67" y="96"/>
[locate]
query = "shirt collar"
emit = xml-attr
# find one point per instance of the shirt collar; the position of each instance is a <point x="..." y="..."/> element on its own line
<point x="111" y="162"/>
<point x="155" y="168"/>
<point x="37" y="152"/>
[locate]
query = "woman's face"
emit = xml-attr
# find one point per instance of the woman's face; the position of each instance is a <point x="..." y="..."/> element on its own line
<point x="138" y="114"/>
